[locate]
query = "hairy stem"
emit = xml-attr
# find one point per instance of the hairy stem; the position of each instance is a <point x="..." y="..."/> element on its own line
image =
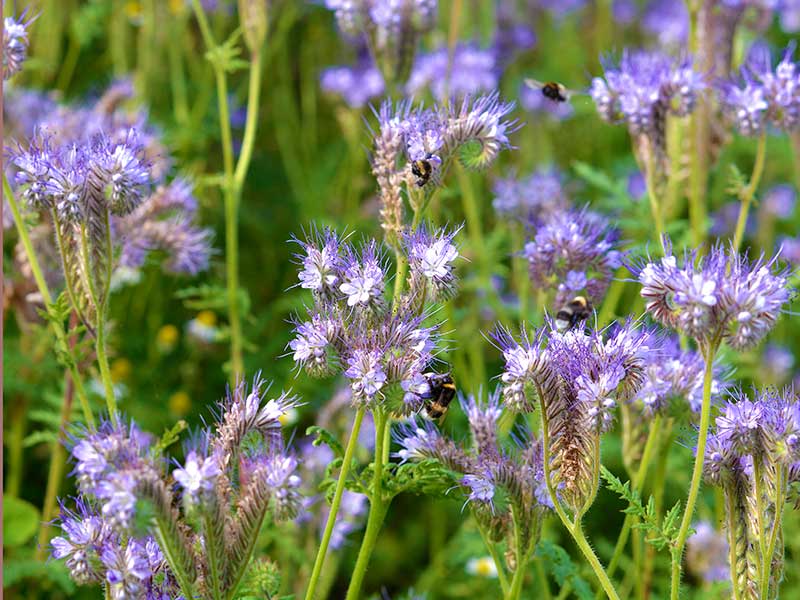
<point x="502" y="578"/>
<point x="697" y="473"/>
<point x="747" y="194"/>
<point x="655" y="206"/>
<point x="777" y="524"/>
<point x="337" y="498"/>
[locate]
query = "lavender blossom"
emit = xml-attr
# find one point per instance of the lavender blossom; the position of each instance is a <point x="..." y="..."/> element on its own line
<point x="534" y="200"/>
<point x="15" y="45"/>
<point x="763" y="95"/>
<point x="357" y="85"/>
<point x="574" y="252"/>
<point x="472" y="71"/>
<point x="721" y="296"/>
<point x="643" y="89"/>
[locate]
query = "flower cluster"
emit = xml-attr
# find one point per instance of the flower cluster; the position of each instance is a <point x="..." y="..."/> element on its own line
<point x="643" y="89"/>
<point x="472" y="71"/>
<point x="753" y="453"/>
<point x="764" y="95"/>
<point x="580" y="378"/>
<point x="227" y="487"/>
<point x="496" y="480"/>
<point x="393" y="29"/>
<point x="357" y="85"/>
<point x="407" y="134"/>
<point x="164" y="222"/>
<point x="721" y="296"/>
<point x="533" y="200"/>
<point x="15" y="45"/>
<point x="350" y="326"/>
<point x="707" y="553"/>
<point x="573" y="252"/>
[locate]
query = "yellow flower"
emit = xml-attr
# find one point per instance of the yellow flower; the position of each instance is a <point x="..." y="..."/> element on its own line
<point x="207" y="318"/>
<point x="121" y="369"/>
<point x="179" y="403"/>
<point x="133" y="10"/>
<point x="176" y="7"/>
<point x="482" y="567"/>
<point x="167" y="338"/>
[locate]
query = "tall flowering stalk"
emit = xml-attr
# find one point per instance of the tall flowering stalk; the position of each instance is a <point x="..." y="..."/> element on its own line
<point x="197" y="539"/>
<point x="223" y="59"/>
<point x="576" y="379"/>
<point x="722" y="297"/>
<point x="504" y="487"/>
<point x="753" y="450"/>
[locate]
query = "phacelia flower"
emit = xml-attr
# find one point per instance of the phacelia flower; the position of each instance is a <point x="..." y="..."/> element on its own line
<point x="721" y="296"/>
<point x="366" y="375"/>
<point x="363" y="278"/>
<point x="430" y="258"/>
<point x="574" y="252"/>
<point x="763" y="95"/>
<point x="357" y="85"/>
<point x="197" y="476"/>
<point x="473" y="71"/>
<point x="15" y="45"/>
<point x="707" y="553"/>
<point x="85" y="535"/>
<point x="533" y="200"/>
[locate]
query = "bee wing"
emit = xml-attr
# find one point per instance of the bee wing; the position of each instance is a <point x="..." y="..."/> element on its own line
<point x="534" y="83"/>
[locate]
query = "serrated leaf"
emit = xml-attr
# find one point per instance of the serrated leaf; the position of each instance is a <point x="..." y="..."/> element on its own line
<point x="171" y="436"/>
<point x="564" y="571"/>
<point x="20" y="521"/>
<point x="39" y="437"/>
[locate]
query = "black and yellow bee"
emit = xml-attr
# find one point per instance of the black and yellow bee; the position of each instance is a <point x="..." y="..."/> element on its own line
<point x="552" y="90"/>
<point x="422" y="169"/>
<point x="573" y="312"/>
<point x="441" y="394"/>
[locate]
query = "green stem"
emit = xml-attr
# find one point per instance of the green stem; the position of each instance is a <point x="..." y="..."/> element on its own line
<point x="659" y="482"/>
<point x="67" y="69"/>
<point x="41" y="284"/>
<point x="637" y="483"/>
<point x="575" y="528"/>
<point x="498" y="563"/>
<point x="795" y="139"/>
<point x="177" y="76"/>
<point x="698" y="134"/>
<point x="655" y="207"/>
<point x="697" y="474"/>
<point x="777" y="523"/>
<point x="747" y="194"/>
<point x="542" y="577"/>
<point x="378" y="508"/>
<point x="105" y="372"/>
<point x="337" y="498"/>
<point x="614" y="293"/>
<point x="731" y="515"/>
<point x="250" y="126"/>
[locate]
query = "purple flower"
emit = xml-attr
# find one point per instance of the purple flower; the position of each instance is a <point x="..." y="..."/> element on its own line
<point x="534" y="200"/>
<point x="577" y="241"/>
<point x="481" y="489"/>
<point x="720" y="296"/>
<point x="312" y="345"/>
<point x="779" y="201"/>
<point x="524" y="361"/>
<point x="118" y="497"/>
<point x="777" y="362"/>
<point x="85" y="535"/>
<point x="473" y="71"/>
<point x="15" y="45"/>
<point x="357" y="85"/>
<point x="363" y="277"/>
<point x="128" y="570"/>
<point x="321" y="262"/>
<point x="763" y="95"/>
<point x="430" y="258"/>
<point x="707" y="553"/>
<point x="668" y="21"/>
<point x="366" y="375"/>
<point x="197" y="477"/>
<point x="416" y="443"/>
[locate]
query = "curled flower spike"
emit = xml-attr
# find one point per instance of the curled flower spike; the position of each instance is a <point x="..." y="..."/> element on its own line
<point x="525" y="362"/>
<point x="721" y="296"/>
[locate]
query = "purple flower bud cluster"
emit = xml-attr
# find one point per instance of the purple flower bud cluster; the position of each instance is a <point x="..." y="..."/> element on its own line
<point x="573" y="252"/>
<point x="164" y="222"/>
<point x="673" y="378"/>
<point x="580" y="378"/>
<point x="720" y="297"/>
<point x="643" y="89"/>
<point x="753" y="453"/>
<point x="81" y="179"/>
<point x="350" y="327"/>
<point x="533" y="200"/>
<point x="707" y="553"/>
<point x="357" y="85"/>
<point x="473" y="71"/>
<point x="227" y="485"/>
<point x="15" y="45"/>
<point x="487" y="467"/>
<point x="763" y="96"/>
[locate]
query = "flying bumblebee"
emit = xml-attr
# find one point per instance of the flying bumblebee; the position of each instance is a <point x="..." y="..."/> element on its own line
<point x="442" y="391"/>
<point x="552" y="90"/>
<point x="423" y="168"/>
<point x="573" y="312"/>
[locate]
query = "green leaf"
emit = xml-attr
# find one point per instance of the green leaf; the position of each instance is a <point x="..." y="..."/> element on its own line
<point x="15" y="571"/>
<point x="171" y="436"/>
<point x="20" y="521"/>
<point x="564" y="571"/>
<point x="323" y="436"/>
<point x="39" y="437"/>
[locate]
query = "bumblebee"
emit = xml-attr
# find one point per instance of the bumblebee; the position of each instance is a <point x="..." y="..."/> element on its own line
<point x="442" y="391"/>
<point x="552" y="90"/>
<point x="573" y="312"/>
<point x="422" y="169"/>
